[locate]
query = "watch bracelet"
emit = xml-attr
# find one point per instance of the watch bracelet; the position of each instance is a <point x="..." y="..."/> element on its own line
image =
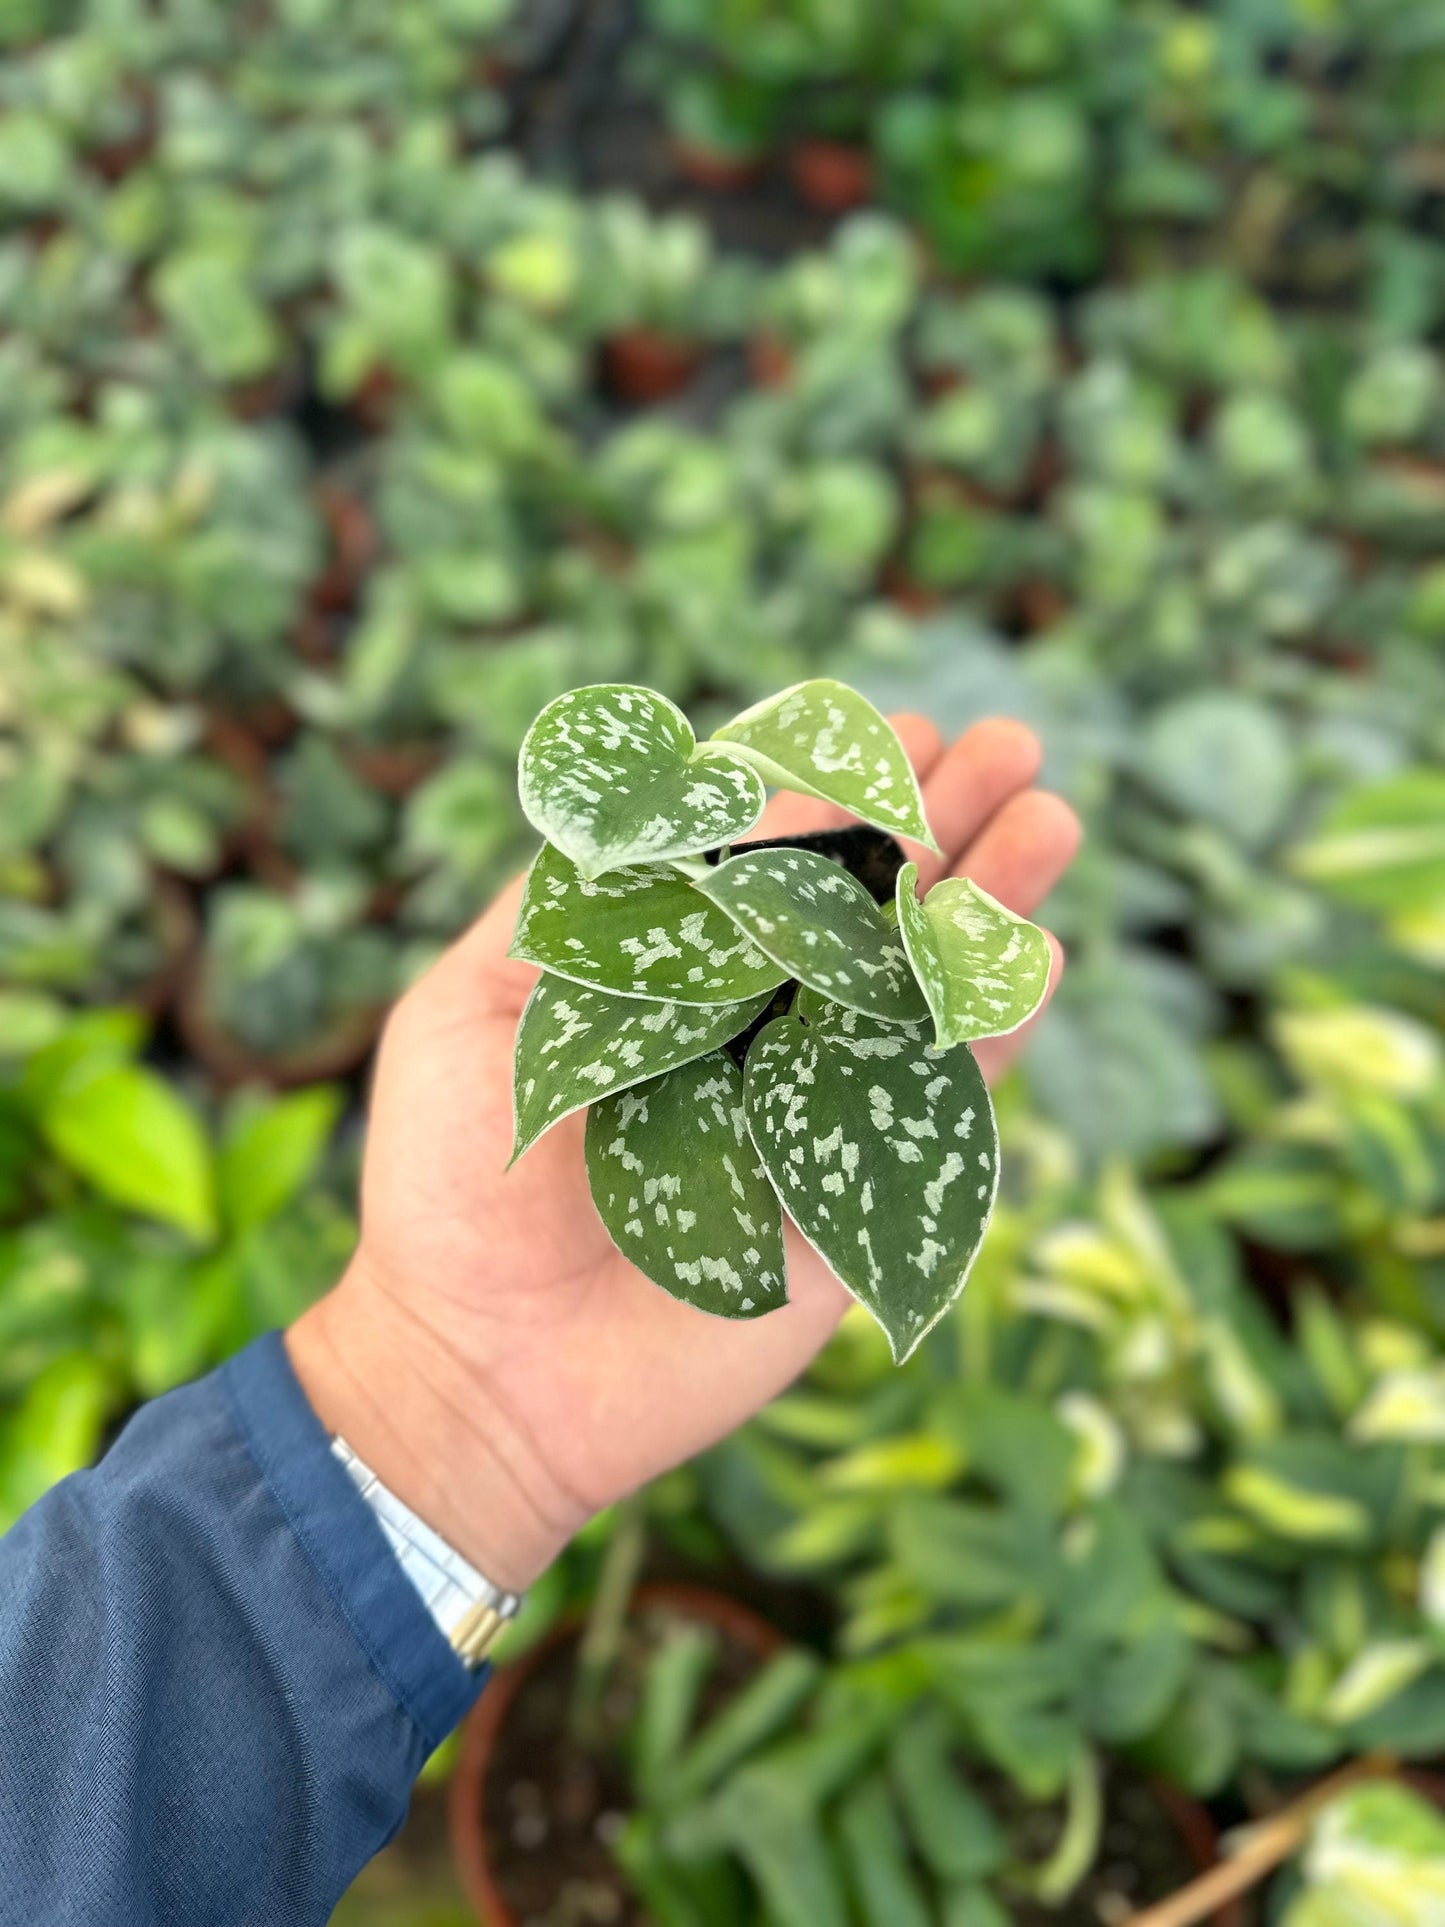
<point x="469" y="1610"/>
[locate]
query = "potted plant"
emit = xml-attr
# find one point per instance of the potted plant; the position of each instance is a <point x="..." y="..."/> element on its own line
<point x="656" y="297"/>
<point x="289" y="987"/>
<point x="833" y="175"/>
<point x="862" y="286"/>
<point x="542" y="1783"/>
<point x="725" y="997"/>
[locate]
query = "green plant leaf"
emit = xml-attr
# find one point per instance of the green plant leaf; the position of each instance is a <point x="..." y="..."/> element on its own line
<point x="637" y="933"/>
<point x="883" y="1150"/>
<point x="270" y="1150"/>
<point x="612" y="775"/>
<point x="1383" y="847"/>
<point x="819" y="925"/>
<point x="877" y="1858"/>
<point x="984" y="971"/>
<point x="679" y="1187"/>
<point x="823" y="739"/>
<point x="954" y="1832"/>
<point x="127" y="1133"/>
<point x="576" y="1045"/>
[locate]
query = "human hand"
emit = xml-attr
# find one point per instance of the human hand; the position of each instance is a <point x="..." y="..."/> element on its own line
<point x="489" y="1352"/>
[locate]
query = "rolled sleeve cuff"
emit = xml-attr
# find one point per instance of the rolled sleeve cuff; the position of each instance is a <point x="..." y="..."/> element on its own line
<point x="344" y="1542"/>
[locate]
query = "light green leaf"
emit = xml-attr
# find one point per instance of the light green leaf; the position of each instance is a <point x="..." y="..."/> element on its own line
<point x="820" y="925"/>
<point x="1404" y="1405"/>
<point x="983" y="970"/>
<point x="270" y="1150"/>
<point x="29" y="1021"/>
<point x="612" y="774"/>
<point x="576" y="1045"/>
<point x="884" y="1151"/>
<point x="1375" y="1858"/>
<point x="677" y="1183"/>
<point x="823" y="739"/>
<point x="127" y="1133"/>
<point x="1374" y="1677"/>
<point x="1383" y="847"/>
<point x="1293" y="1511"/>
<point x="637" y="933"/>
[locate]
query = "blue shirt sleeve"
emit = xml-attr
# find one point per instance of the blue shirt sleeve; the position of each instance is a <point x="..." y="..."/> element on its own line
<point x="217" y="1684"/>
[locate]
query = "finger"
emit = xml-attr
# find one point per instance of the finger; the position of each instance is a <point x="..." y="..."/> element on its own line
<point x="477" y="966"/>
<point x="995" y="1054"/>
<point x="1023" y="851"/>
<point x="970" y="782"/>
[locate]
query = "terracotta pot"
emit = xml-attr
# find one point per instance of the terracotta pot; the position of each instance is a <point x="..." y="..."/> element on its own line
<point x="337" y="1053"/>
<point x="1196" y="1828"/>
<point x="395" y="769"/>
<point x="643" y="364"/>
<point x="1046" y="471"/>
<point x="943" y="381"/>
<point x="482" y="1732"/>
<point x="905" y="592"/>
<point x="1041" y="604"/>
<point x="833" y="176"/>
<point x="931" y="482"/>
<point x="374" y="400"/>
<point x="269" y="394"/>
<point x="314" y="637"/>
<point x="713" y="167"/>
<point x="113" y="160"/>
<point x="351" y="547"/>
<point x="770" y="360"/>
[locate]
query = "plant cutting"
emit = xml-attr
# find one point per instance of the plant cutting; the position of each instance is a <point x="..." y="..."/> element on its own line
<point x="755" y="1025"/>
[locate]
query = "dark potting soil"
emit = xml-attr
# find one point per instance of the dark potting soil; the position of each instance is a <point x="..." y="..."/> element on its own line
<point x="1143" y="1857"/>
<point x="553" y="1806"/>
<point x="872" y="856"/>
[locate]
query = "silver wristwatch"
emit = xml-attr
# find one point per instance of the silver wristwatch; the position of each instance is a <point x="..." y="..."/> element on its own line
<point x="469" y="1609"/>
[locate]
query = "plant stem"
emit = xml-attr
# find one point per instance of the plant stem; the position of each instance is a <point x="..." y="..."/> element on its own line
<point x="1261" y="1850"/>
<point x="602" y="1635"/>
<point x="1079" y="1842"/>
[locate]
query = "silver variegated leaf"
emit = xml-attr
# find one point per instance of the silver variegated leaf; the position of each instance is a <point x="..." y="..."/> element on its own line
<point x="636" y="933"/>
<point x="677" y="1182"/>
<point x="824" y="739"/>
<point x="983" y="970"/>
<point x="575" y="1045"/>
<point x="820" y="925"/>
<point x="884" y="1152"/>
<point x="613" y="775"/>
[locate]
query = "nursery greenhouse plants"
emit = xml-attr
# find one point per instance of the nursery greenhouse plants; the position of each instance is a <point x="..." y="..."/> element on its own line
<point x="371" y="377"/>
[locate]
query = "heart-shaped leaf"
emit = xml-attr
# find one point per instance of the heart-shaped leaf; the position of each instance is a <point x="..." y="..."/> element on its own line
<point x="983" y="970"/>
<point x="824" y="739"/>
<point x="612" y="774"/>
<point x="637" y="933"/>
<point x="677" y="1182"/>
<point x="820" y="926"/>
<point x="884" y="1152"/>
<point x="576" y="1045"/>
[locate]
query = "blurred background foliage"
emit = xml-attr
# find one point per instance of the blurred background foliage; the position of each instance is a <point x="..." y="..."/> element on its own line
<point x="369" y="374"/>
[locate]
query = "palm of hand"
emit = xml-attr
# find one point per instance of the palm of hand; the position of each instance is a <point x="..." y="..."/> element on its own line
<point x="593" y="1378"/>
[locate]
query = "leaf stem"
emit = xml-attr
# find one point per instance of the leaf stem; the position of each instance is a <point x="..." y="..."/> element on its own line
<point x="601" y="1640"/>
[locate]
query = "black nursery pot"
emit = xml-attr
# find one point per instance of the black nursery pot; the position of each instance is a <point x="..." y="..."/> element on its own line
<point x="872" y="856"/>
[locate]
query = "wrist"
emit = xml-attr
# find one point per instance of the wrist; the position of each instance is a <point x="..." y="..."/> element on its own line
<point x="386" y="1383"/>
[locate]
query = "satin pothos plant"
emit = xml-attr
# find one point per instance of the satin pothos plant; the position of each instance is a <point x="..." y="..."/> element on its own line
<point x="761" y="1026"/>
